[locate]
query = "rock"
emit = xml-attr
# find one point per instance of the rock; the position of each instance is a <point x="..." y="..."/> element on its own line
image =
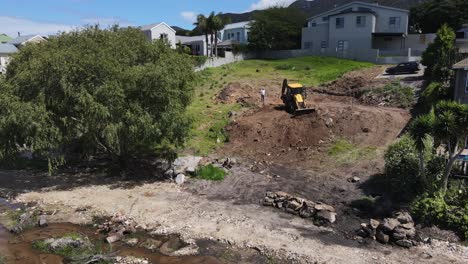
<point x="66" y="242"/>
<point x="42" y="220"/>
<point x="171" y="246"/>
<point x="403" y="217"/>
<point x="404" y="243"/>
<point x="374" y="224"/>
<point x="114" y="237"/>
<point x="382" y="237"/>
<point x="268" y="201"/>
<point x="407" y="225"/>
<point x="425" y="255"/>
<point x="306" y="212"/>
<point x="366" y="130"/>
<point x="362" y="233"/>
<point x="180" y="179"/>
<point x="398" y="236"/>
<point x="181" y="164"/>
<point x="189" y="250"/>
<point x="324" y="207"/>
<point x="294" y="205"/>
<point x="327" y="216"/>
<point x="329" y="122"/>
<point x="282" y="195"/>
<point x="389" y="224"/>
<point x="354" y="179"/>
<point x="131" y="241"/>
<point x="271" y="195"/>
<point x="407" y="233"/>
<point x="151" y="244"/>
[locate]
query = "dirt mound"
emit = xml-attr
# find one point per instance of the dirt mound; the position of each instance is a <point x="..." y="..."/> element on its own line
<point x="270" y="130"/>
<point x="239" y="93"/>
<point x="354" y="83"/>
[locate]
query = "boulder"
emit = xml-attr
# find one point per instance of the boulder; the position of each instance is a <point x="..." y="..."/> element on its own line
<point x="294" y="205"/>
<point x="408" y="225"/>
<point x="42" y="220"/>
<point x="268" y="201"/>
<point x="389" y="224"/>
<point x="374" y="224"/>
<point x="57" y="244"/>
<point x="403" y="217"/>
<point x="408" y="233"/>
<point x="171" y="246"/>
<point x="404" y="243"/>
<point x="398" y="236"/>
<point x="326" y="216"/>
<point x="382" y="237"/>
<point x="114" y="237"/>
<point x="324" y="207"/>
<point x="307" y="212"/>
<point x="131" y="241"/>
<point x="181" y="164"/>
<point x="180" y="179"/>
<point x="151" y="244"/>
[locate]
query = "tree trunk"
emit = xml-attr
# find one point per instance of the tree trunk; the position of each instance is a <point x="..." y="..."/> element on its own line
<point x="422" y="170"/>
<point x="216" y="44"/>
<point x="211" y="45"/>
<point x="447" y="171"/>
<point x="207" y="46"/>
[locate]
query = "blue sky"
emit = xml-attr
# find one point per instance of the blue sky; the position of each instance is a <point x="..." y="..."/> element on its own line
<point x="49" y="16"/>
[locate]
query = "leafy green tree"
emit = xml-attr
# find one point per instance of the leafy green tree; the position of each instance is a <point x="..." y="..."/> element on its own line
<point x="440" y="56"/>
<point x="277" y="28"/>
<point x="203" y="25"/>
<point x="99" y="91"/>
<point x="420" y="130"/>
<point x="430" y="15"/>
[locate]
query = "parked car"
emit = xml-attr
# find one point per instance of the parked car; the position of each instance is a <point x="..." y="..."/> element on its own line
<point x="405" y="67"/>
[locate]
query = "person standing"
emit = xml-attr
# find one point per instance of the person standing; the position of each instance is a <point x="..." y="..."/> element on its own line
<point x="263" y="95"/>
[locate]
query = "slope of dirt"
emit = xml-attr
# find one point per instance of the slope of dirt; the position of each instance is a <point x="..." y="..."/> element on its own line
<point x="272" y="130"/>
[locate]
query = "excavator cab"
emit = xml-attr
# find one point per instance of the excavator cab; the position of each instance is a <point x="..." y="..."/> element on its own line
<point x="294" y="96"/>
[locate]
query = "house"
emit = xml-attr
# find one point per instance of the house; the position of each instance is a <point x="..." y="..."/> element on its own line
<point x="20" y="41"/>
<point x="4" y="38"/>
<point x="11" y="46"/>
<point x="461" y="83"/>
<point x="160" y="31"/>
<point x="236" y="31"/>
<point x="360" y="30"/>
<point x="6" y="50"/>
<point x="462" y="39"/>
<point x="197" y="44"/>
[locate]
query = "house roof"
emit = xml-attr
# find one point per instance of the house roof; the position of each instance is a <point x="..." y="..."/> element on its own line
<point x="245" y="24"/>
<point x="5" y="38"/>
<point x="461" y="65"/>
<point x="334" y="10"/>
<point x="154" y="25"/>
<point x="8" y="48"/>
<point x="190" y="39"/>
<point x="22" y="39"/>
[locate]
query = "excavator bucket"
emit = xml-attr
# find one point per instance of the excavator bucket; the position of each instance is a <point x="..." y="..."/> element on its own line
<point x="301" y="106"/>
<point x="304" y="111"/>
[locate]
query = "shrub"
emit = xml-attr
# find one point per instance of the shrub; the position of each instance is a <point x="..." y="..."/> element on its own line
<point x="210" y="172"/>
<point x="399" y="95"/>
<point x="199" y="60"/>
<point x="434" y="93"/>
<point x="401" y="169"/>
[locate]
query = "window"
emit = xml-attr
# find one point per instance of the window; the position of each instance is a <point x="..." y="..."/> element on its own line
<point x="163" y="36"/>
<point x="340" y="46"/>
<point x="313" y="24"/>
<point x="394" y="22"/>
<point x="325" y="19"/>
<point x="340" y="22"/>
<point x="308" y="45"/>
<point x="324" y="44"/>
<point x="360" y="21"/>
<point x="238" y="36"/>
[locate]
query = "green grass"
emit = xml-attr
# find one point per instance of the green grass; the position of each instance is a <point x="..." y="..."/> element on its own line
<point x="399" y="95"/>
<point x="68" y="251"/>
<point x="210" y="172"/>
<point x="210" y="117"/>
<point x="2" y="259"/>
<point x="345" y="152"/>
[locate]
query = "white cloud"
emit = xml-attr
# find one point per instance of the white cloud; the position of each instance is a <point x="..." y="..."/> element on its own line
<point x="13" y="25"/>
<point x="264" y="4"/>
<point x="189" y="16"/>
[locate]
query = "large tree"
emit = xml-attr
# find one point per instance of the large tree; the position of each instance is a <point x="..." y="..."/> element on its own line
<point x="440" y="56"/>
<point x="277" y="28"/>
<point x="202" y="24"/>
<point x="429" y="16"/>
<point x="97" y="91"/>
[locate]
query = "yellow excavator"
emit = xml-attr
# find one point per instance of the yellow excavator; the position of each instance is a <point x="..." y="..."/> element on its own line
<point x="294" y="96"/>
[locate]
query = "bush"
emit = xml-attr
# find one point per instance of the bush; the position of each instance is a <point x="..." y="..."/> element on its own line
<point x="210" y="172"/>
<point x="398" y="95"/>
<point x="436" y="210"/>
<point x="401" y="169"/>
<point x="434" y="93"/>
<point x="241" y="48"/>
<point x="199" y="60"/>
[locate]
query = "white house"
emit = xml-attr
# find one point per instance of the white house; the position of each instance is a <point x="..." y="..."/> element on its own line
<point x="196" y="43"/>
<point x="12" y="46"/>
<point x="364" y="31"/>
<point x="236" y="31"/>
<point x="160" y="31"/>
<point x="20" y="41"/>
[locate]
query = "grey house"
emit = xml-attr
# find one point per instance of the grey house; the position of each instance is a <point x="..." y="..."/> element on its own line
<point x="360" y="30"/>
<point x="461" y="81"/>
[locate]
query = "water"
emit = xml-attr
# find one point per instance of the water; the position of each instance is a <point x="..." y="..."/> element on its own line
<point x="18" y="248"/>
